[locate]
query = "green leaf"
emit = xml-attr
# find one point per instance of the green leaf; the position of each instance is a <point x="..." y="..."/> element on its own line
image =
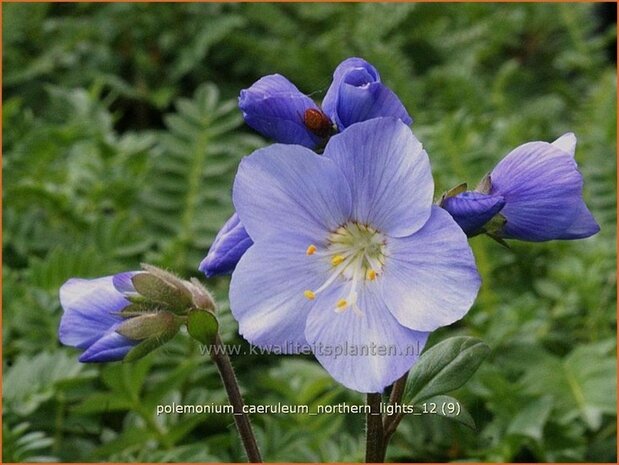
<point x="531" y="419"/>
<point x="202" y="326"/>
<point x="31" y="381"/>
<point x="451" y="408"/>
<point x="103" y="402"/>
<point x="583" y="384"/>
<point x="445" y="367"/>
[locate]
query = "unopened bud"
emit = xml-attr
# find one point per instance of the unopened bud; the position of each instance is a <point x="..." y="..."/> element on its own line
<point x="157" y="287"/>
<point x="202" y="326"/>
<point x="149" y="325"/>
<point x="202" y="298"/>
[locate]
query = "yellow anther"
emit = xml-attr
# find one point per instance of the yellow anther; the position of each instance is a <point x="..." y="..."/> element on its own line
<point x="309" y="295"/>
<point x="311" y="250"/>
<point x="341" y="304"/>
<point x="371" y="275"/>
<point x="337" y="259"/>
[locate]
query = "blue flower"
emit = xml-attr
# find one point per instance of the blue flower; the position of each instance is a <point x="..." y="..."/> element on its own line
<point x="541" y="189"/>
<point x="274" y="107"/>
<point x="91" y="317"/>
<point x="349" y="255"/>
<point x="357" y="94"/>
<point x="231" y="243"/>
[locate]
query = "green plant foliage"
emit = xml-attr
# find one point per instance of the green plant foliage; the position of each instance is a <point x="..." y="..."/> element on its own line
<point x="188" y="196"/>
<point x="444" y="368"/>
<point x="121" y="138"/>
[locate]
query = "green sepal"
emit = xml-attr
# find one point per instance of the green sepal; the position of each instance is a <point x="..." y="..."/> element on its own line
<point x="164" y="275"/>
<point x="136" y="299"/>
<point x="494" y="229"/>
<point x="135" y="309"/>
<point x="485" y="185"/>
<point x="459" y="189"/>
<point x="147" y="346"/>
<point x="149" y="325"/>
<point x="202" y="298"/>
<point x="202" y="326"/>
<point x="155" y="289"/>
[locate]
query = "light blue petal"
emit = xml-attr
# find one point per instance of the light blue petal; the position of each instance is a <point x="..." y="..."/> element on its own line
<point x="365" y="352"/>
<point x="110" y="348"/>
<point x="389" y="174"/>
<point x="430" y="278"/>
<point x="567" y="143"/>
<point x="266" y="292"/>
<point x="542" y="189"/>
<point x="290" y="189"/>
<point x="89" y="310"/>
<point x="274" y="107"/>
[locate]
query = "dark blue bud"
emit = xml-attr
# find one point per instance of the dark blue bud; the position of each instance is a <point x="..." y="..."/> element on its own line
<point x="275" y="108"/>
<point x="357" y="94"/>
<point x="472" y="210"/>
<point x="229" y="246"/>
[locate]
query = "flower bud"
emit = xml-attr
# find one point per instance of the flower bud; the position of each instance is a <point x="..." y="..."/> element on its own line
<point x="275" y="108"/>
<point x="158" y="290"/>
<point x="357" y="94"/>
<point x="128" y="315"/>
<point x="149" y="325"/>
<point x="202" y="326"/>
<point x="91" y="315"/>
<point x="202" y="298"/>
<point x="543" y="192"/>
<point x="472" y="210"/>
<point x="231" y="243"/>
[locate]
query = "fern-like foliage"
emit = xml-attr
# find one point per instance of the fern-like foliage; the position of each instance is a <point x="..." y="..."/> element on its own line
<point x="188" y="195"/>
<point x="19" y="444"/>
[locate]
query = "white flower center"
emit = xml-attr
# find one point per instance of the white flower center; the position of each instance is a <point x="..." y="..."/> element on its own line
<point x="356" y="252"/>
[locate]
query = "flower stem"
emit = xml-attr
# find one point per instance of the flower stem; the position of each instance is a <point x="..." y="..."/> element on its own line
<point x="374" y="430"/>
<point x="222" y="361"/>
<point x="392" y="421"/>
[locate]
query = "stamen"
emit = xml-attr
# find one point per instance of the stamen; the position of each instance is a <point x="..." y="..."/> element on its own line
<point x="356" y="253"/>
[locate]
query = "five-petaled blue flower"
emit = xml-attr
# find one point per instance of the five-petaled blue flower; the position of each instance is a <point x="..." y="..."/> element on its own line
<point x="349" y="254"/>
<point x="274" y="107"/>
<point x="537" y="191"/>
<point x="92" y="316"/>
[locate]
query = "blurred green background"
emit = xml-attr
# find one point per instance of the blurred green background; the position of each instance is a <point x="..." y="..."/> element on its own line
<point x="121" y="136"/>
